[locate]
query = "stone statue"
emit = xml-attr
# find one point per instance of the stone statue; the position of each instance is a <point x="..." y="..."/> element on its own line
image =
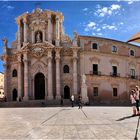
<point x="83" y="79"/>
<point x="5" y="41"/>
<point x="38" y="37"/>
<point x="75" y="35"/>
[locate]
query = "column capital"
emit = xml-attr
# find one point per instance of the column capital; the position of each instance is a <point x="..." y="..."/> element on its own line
<point x="18" y="20"/>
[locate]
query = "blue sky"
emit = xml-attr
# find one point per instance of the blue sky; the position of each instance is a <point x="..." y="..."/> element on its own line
<point x="117" y="20"/>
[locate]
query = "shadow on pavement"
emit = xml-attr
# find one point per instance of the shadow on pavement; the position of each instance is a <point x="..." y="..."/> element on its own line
<point x="127" y="117"/>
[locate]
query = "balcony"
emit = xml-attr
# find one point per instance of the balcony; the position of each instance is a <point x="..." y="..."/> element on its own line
<point x="133" y="76"/>
<point x="95" y="73"/>
<point x="114" y="74"/>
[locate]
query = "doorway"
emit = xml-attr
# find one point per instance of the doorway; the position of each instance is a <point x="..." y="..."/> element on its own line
<point x="39" y="86"/>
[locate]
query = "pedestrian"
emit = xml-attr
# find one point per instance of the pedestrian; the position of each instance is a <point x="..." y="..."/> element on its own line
<point x="137" y="92"/>
<point x="133" y="101"/>
<point x="72" y="100"/>
<point x="80" y="102"/>
<point x="61" y="102"/>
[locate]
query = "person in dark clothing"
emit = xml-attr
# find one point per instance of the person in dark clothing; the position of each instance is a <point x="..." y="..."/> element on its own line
<point x="80" y="102"/>
<point x="61" y="102"/>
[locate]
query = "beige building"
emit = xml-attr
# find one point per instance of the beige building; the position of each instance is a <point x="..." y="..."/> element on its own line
<point x="1" y="85"/>
<point x="43" y="63"/>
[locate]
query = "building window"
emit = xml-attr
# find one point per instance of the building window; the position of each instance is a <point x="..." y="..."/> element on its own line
<point x="115" y="92"/>
<point x="14" y="73"/>
<point x="114" y="70"/>
<point x="132" y="73"/>
<point x="94" y="46"/>
<point x="66" y="69"/>
<point x="132" y="53"/>
<point x="95" y="91"/>
<point x="114" y="49"/>
<point x="95" y="69"/>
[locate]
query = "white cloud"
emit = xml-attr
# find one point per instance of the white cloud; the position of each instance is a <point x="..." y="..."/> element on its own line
<point x="110" y="27"/>
<point x="85" y="9"/>
<point x="90" y="26"/>
<point x="98" y="30"/>
<point x="107" y="11"/>
<point x="10" y="7"/>
<point x="100" y="34"/>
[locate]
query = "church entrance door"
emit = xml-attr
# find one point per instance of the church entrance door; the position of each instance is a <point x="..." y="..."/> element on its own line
<point x="66" y="92"/>
<point x="15" y="95"/>
<point x="39" y="86"/>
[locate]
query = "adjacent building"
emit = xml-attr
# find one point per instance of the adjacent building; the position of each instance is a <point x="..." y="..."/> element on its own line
<point x="44" y="63"/>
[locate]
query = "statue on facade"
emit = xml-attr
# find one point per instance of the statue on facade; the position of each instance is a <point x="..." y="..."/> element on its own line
<point x="38" y="37"/>
<point x="83" y="79"/>
<point x="75" y="35"/>
<point x="5" y="41"/>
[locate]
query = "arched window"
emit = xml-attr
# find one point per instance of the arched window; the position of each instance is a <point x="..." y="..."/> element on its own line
<point x="132" y="53"/>
<point x="66" y="69"/>
<point x="14" y="73"/>
<point x="94" y="46"/>
<point x="114" y="49"/>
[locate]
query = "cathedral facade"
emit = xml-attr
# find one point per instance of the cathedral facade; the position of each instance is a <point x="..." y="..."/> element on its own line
<point x="43" y="63"/>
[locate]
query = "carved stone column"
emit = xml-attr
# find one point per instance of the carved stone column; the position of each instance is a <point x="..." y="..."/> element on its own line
<point x="26" y="81"/>
<point x="19" y="33"/>
<point x="19" y="78"/>
<point x="44" y="35"/>
<point x="33" y="36"/>
<point x="5" y="80"/>
<point x="57" y="59"/>
<point x="75" y="78"/>
<point x="49" y="28"/>
<point x="50" y="90"/>
<point x="25" y="30"/>
<point x="57" y="31"/>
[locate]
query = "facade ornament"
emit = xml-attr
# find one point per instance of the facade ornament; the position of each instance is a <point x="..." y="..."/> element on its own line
<point x="38" y="37"/>
<point x="5" y="41"/>
<point x="83" y="79"/>
<point x="75" y="40"/>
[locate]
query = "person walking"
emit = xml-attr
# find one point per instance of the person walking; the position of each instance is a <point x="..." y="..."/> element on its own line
<point x="72" y="100"/>
<point x="80" y="102"/>
<point x="61" y="101"/>
<point x="133" y="101"/>
<point x="137" y="99"/>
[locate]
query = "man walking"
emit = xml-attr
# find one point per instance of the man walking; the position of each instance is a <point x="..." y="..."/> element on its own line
<point x="72" y="100"/>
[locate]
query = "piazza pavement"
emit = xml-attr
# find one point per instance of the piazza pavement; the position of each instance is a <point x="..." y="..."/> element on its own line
<point x="67" y="123"/>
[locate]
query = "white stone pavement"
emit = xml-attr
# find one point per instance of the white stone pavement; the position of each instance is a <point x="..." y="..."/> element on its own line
<point x="98" y="123"/>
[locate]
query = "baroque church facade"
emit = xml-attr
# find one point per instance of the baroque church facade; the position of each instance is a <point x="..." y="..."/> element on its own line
<point x="43" y="63"/>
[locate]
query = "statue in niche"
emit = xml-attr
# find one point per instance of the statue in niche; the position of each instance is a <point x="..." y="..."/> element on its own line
<point x="5" y="41"/>
<point x="38" y="37"/>
<point x="83" y="79"/>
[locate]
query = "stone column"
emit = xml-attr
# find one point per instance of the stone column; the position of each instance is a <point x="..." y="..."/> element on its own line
<point x="57" y="31"/>
<point x="5" y="81"/>
<point x="33" y="36"/>
<point x="25" y="30"/>
<point x="75" y="76"/>
<point x="49" y="28"/>
<point x="26" y="81"/>
<point x="44" y="35"/>
<point x="19" y="78"/>
<point x="50" y="91"/>
<point x="57" y="58"/>
<point x="19" y="33"/>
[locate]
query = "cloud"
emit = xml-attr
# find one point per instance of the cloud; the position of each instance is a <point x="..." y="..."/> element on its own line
<point x="90" y="26"/>
<point x="107" y="11"/>
<point x="110" y="27"/>
<point x="10" y="7"/>
<point x="85" y="9"/>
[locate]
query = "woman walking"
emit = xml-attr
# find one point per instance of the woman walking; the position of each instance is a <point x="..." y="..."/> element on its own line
<point x="137" y="99"/>
<point x="133" y="101"/>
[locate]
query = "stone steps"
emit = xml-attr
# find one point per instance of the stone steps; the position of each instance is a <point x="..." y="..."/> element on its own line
<point x="35" y="103"/>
